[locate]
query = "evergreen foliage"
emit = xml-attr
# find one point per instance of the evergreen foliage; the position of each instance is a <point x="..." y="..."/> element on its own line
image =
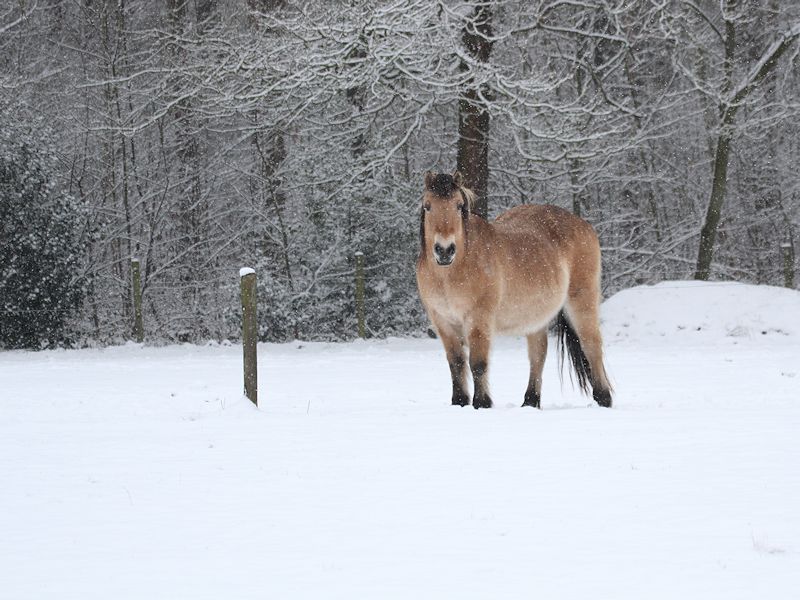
<point x="43" y="243"/>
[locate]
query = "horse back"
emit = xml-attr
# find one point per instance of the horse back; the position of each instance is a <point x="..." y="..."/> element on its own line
<point x="558" y="225"/>
<point x="549" y="233"/>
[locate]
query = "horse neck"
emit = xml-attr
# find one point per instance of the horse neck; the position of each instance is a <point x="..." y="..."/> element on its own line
<point x="478" y="232"/>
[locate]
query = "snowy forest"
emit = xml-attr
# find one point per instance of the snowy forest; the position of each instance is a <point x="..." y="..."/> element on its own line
<point x="201" y="136"/>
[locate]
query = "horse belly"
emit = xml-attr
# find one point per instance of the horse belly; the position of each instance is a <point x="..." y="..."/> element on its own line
<point x="526" y="309"/>
<point x="525" y="320"/>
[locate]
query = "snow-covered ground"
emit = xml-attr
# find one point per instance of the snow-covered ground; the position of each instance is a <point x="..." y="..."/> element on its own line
<point x="138" y="472"/>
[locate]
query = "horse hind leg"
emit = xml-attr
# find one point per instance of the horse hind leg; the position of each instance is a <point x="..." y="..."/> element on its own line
<point x="580" y="332"/>
<point x="537" y="351"/>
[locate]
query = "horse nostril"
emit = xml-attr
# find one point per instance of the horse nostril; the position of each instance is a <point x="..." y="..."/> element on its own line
<point x="444" y="256"/>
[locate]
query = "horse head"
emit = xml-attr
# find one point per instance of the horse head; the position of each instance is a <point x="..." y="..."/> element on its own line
<point x="443" y="217"/>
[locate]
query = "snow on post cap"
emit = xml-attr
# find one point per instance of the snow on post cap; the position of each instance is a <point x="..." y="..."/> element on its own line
<point x="359" y="253"/>
<point x="246" y="271"/>
<point x="134" y="259"/>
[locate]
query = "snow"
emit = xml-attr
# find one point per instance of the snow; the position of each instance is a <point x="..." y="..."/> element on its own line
<point x="683" y="311"/>
<point x="246" y="271"/>
<point x="139" y="472"/>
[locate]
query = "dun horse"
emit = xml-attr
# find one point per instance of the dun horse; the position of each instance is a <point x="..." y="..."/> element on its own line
<point x="532" y="266"/>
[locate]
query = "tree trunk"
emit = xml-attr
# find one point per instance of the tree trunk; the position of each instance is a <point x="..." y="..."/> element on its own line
<point x="473" y="113"/>
<point x="718" y="188"/>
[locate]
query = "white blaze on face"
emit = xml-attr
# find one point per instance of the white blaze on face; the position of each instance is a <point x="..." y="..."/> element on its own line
<point x="444" y="242"/>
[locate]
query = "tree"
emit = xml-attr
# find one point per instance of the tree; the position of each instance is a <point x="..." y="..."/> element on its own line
<point x="473" y="110"/>
<point x="45" y="240"/>
<point x="205" y="135"/>
<point x="731" y="99"/>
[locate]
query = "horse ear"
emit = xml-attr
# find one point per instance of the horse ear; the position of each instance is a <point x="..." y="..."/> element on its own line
<point x="457" y="178"/>
<point x="429" y="177"/>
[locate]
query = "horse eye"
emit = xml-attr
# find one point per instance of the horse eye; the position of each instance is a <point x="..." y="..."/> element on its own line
<point x="427" y="207"/>
<point x="461" y="206"/>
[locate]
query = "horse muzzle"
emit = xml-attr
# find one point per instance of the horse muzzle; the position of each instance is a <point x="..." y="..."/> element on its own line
<point x="444" y="255"/>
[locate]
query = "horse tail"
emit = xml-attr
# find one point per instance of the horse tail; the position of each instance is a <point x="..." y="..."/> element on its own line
<point x="566" y="338"/>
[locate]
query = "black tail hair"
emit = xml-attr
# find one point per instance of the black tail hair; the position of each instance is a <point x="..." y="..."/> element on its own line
<point x="567" y="338"/>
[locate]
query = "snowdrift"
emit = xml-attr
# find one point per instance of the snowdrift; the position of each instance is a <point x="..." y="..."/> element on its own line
<point x="701" y="311"/>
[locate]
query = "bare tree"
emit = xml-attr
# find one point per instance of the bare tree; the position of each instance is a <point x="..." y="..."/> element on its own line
<point x="733" y="95"/>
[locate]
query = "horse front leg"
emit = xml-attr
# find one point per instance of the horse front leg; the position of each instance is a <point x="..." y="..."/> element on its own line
<point x="479" y="341"/>
<point x="458" y="373"/>
<point x="453" y="343"/>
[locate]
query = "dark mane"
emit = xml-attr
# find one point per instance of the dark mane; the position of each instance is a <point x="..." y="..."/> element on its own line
<point x="422" y="232"/>
<point x="443" y="185"/>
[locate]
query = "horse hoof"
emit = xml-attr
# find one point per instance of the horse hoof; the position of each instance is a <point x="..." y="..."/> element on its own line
<point x="602" y="397"/>
<point x="460" y="400"/>
<point x="532" y="399"/>
<point x="484" y="402"/>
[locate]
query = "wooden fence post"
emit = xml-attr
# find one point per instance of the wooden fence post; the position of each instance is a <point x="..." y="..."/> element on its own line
<point x="362" y="328"/>
<point x="138" y="322"/>
<point x="249" y="333"/>
<point x="787" y="252"/>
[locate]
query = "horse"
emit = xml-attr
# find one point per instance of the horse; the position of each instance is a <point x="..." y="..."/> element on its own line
<point x="532" y="267"/>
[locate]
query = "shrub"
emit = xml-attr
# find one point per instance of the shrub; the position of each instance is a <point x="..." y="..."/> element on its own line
<point x="43" y="235"/>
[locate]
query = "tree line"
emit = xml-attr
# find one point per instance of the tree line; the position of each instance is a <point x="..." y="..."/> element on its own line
<point x="202" y="136"/>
